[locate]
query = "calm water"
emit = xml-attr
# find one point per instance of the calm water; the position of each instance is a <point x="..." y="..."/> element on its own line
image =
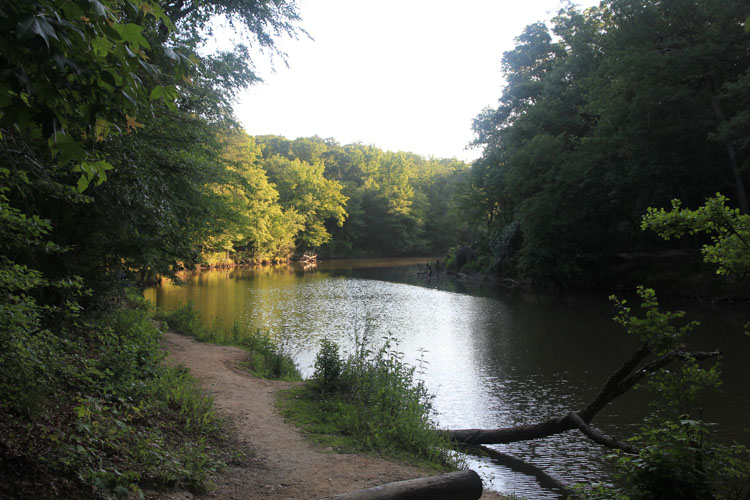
<point x="494" y="358"/>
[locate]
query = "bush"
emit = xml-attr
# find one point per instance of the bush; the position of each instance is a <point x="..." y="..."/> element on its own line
<point x="328" y="366"/>
<point x="375" y="403"/>
<point x="458" y="257"/>
<point x="109" y="417"/>
<point x="266" y="358"/>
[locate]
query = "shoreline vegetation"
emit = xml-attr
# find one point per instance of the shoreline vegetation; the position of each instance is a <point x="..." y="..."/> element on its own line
<point x="122" y="160"/>
<point x="110" y="419"/>
<point x="370" y="401"/>
<point x="137" y="426"/>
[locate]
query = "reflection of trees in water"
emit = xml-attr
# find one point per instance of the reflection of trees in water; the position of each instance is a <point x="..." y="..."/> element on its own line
<point x="494" y="361"/>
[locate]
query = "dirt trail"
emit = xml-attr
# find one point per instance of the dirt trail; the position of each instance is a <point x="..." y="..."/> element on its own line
<point x="285" y="464"/>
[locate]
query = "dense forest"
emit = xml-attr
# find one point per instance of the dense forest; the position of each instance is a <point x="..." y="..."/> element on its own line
<point x="342" y="201"/>
<point x="607" y="112"/>
<point x="122" y="161"/>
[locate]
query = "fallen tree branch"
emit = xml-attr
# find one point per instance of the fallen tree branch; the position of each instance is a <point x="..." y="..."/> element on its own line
<point x="664" y="360"/>
<point x="613" y="387"/>
<point x="510" y="434"/>
<point x="545" y="480"/>
<point x="462" y="485"/>
<point x="598" y="436"/>
<point x="617" y="384"/>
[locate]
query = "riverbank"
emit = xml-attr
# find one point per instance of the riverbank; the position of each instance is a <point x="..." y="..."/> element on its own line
<point x="279" y="463"/>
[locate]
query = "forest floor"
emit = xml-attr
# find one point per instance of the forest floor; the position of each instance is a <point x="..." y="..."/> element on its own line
<point x="282" y="463"/>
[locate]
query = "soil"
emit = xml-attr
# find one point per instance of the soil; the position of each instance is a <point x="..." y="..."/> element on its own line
<point x="283" y="464"/>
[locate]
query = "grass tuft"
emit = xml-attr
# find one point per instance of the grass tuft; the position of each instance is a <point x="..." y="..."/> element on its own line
<point x="266" y="357"/>
<point x="370" y="402"/>
<point x="113" y="421"/>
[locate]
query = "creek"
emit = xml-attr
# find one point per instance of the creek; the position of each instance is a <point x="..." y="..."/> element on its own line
<point x="492" y="357"/>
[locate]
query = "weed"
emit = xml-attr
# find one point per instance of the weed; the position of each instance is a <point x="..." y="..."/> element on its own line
<point x="114" y="419"/>
<point x="375" y="404"/>
<point x="328" y="366"/>
<point x="266" y="358"/>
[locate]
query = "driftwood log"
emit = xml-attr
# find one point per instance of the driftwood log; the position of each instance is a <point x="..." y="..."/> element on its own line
<point x="462" y="485"/>
<point x="309" y="258"/>
<point x="632" y="372"/>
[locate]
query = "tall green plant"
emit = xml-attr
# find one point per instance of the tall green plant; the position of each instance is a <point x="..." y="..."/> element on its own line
<point x="375" y="401"/>
<point x="328" y="366"/>
<point x="727" y="228"/>
<point x="679" y="455"/>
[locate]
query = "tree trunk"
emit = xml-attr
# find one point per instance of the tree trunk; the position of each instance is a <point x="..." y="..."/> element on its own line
<point x="545" y="480"/>
<point x="731" y="153"/>
<point x="463" y="485"/>
<point x="617" y="384"/>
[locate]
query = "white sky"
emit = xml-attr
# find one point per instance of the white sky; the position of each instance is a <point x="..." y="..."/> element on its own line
<point x="403" y="75"/>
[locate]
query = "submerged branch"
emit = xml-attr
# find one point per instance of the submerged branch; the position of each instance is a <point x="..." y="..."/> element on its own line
<point x="545" y="480"/>
<point x="617" y="384"/>
<point x="598" y="436"/>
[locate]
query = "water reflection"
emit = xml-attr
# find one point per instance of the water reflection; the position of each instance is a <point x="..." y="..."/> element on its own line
<point x="493" y="361"/>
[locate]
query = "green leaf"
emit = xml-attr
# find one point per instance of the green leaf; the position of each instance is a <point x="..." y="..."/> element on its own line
<point x="72" y="10"/>
<point x="90" y="171"/>
<point x="67" y="149"/>
<point x="101" y="46"/>
<point x="36" y="26"/>
<point x="131" y="33"/>
<point x="116" y="77"/>
<point x="82" y="411"/>
<point x="158" y="12"/>
<point x="167" y="93"/>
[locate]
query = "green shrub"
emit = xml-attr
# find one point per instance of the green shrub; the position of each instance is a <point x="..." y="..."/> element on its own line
<point x="328" y="366"/>
<point x="109" y="417"/>
<point x="377" y="404"/>
<point x="266" y="358"/>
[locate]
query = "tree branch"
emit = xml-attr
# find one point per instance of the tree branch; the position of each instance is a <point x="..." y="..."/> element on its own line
<point x="613" y="387"/>
<point x="598" y="436"/>
<point x="617" y="384"/>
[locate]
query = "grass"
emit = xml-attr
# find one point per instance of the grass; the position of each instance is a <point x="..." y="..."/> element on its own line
<point x="266" y="358"/>
<point x="110" y="419"/>
<point x="371" y="402"/>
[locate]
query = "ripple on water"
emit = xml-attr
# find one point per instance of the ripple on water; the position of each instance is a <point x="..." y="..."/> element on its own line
<point x="492" y="362"/>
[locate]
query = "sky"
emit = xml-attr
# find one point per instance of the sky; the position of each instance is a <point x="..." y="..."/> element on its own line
<point x="403" y="75"/>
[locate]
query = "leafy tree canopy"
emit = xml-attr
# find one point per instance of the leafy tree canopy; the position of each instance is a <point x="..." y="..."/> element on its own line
<point x="606" y="112"/>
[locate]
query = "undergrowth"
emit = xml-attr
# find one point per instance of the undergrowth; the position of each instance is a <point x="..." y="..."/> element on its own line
<point x="104" y="417"/>
<point x="371" y="401"/>
<point x="266" y="357"/>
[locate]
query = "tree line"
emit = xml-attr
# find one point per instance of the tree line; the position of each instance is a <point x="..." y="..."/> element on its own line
<point x="608" y="111"/>
<point x="121" y="160"/>
<point x="395" y="203"/>
<point x="221" y="197"/>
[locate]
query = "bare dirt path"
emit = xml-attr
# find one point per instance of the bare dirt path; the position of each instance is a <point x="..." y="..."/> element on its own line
<point x="285" y="465"/>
